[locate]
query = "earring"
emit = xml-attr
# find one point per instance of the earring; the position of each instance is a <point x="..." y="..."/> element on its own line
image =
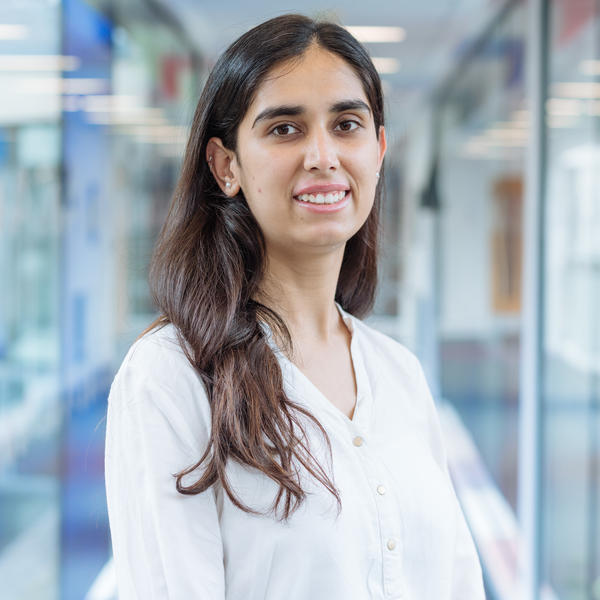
<point x="228" y="185"/>
<point x="209" y="160"/>
<point x="377" y="174"/>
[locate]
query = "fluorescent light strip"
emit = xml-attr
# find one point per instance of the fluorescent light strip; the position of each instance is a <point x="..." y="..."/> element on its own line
<point x="496" y="133"/>
<point x="13" y="32"/>
<point x="578" y="89"/>
<point x="121" y="109"/>
<point x="54" y="85"/>
<point x="38" y="62"/>
<point x="590" y="67"/>
<point x="561" y="121"/>
<point x="564" y="106"/>
<point x="377" y="34"/>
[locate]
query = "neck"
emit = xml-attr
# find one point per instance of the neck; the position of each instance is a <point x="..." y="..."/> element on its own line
<point x="302" y="291"/>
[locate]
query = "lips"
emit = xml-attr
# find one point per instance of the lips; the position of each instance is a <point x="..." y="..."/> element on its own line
<point x="321" y="188"/>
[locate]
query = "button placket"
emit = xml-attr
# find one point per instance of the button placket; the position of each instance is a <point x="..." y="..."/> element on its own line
<point x="389" y="522"/>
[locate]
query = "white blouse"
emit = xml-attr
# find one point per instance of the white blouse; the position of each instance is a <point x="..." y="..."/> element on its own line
<point x="401" y="533"/>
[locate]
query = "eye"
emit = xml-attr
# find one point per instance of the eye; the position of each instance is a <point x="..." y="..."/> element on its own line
<point x="284" y="130"/>
<point x="348" y="125"/>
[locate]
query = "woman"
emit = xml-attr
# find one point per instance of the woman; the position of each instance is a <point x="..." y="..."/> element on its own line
<point x="262" y="441"/>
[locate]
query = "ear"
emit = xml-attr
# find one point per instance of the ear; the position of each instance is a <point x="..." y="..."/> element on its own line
<point x="220" y="160"/>
<point x="382" y="145"/>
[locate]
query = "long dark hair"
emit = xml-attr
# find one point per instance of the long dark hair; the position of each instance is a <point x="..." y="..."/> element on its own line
<point x="209" y="261"/>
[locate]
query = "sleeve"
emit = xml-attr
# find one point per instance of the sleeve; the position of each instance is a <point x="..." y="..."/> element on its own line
<point x="467" y="579"/>
<point x="165" y="544"/>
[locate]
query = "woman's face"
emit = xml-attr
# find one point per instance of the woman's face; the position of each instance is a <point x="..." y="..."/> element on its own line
<point x="308" y="155"/>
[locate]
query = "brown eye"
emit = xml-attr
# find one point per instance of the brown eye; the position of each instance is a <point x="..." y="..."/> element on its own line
<point x="283" y="130"/>
<point x="348" y="125"/>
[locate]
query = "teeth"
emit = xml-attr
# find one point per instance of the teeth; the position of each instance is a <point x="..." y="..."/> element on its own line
<point x="331" y="198"/>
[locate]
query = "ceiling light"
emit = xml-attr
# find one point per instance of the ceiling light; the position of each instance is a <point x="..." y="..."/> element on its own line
<point x="54" y="85"/>
<point x="13" y="32"/>
<point x="38" y="62"/>
<point x="564" y="106"/>
<point x="578" y="89"/>
<point x="590" y="67"/>
<point x="377" y="34"/>
<point x="121" y="110"/>
<point x="498" y="133"/>
<point x="385" y="64"/>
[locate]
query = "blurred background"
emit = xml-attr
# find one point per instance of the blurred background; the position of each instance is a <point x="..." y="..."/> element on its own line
<point x="490" y="270"/>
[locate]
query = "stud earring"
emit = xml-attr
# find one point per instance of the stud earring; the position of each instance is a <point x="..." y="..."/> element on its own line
<point x="228" y="185"/>
<point x="377" y="174"/>
<point x="209" y="160"/>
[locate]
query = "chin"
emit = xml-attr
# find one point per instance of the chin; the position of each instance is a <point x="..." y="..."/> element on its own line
<point x="328" y="239"/>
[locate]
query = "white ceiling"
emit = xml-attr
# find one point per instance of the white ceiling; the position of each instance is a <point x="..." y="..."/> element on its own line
<point x="437" y="33"/>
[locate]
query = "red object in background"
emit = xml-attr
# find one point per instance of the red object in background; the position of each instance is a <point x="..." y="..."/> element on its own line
<point x="169" y="80"/>
<point x="573" y="15"/>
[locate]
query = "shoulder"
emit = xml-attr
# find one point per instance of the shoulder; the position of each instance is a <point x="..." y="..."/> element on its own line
<point x="156" y="362"/>
<point x="385" y="349"/>
<point x="159" y="397"/>
<point x="160" y="345"/>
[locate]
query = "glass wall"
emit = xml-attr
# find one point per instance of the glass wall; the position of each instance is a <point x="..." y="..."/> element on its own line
<point x="30" y="411"/>
<point x="570" y="543"/>
<point x="482" y="138"/>
<point x="481" y="128"/>
<point x="123" y="142"/>
<point x="96" y="98"/>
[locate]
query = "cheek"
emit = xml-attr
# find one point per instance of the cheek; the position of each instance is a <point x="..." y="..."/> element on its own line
<point x="368" y="179"/>
<point x="265" y="204"/>
<point x="264" y="172"/>
<point x="364" y="162"/>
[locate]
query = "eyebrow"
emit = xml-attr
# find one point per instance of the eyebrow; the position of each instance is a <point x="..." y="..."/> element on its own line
<point x="293" y="111"/>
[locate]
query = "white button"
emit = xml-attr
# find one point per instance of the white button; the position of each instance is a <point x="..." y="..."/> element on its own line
<point x="391" y="544"/>
<point x="357" y="441"/>
<point x="381" y="489"/>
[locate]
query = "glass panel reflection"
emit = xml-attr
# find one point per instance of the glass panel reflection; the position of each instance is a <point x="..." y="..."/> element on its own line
<point x="571" y="342"/>
<point x="30" y="416"/>
<point x="484" y="133"/>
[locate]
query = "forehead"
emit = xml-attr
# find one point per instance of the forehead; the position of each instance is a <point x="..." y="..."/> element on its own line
<point x="318" y="77"/>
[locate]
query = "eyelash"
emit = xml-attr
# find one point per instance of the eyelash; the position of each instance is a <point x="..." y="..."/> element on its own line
<point x="272" y="132"/>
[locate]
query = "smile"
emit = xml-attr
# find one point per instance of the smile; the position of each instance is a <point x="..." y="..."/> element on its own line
<point x="329" y="198"/>
<point x="329" y="202"/>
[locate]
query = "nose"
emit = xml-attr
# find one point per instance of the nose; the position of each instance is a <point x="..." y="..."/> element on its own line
<point x="321" y="153"/>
